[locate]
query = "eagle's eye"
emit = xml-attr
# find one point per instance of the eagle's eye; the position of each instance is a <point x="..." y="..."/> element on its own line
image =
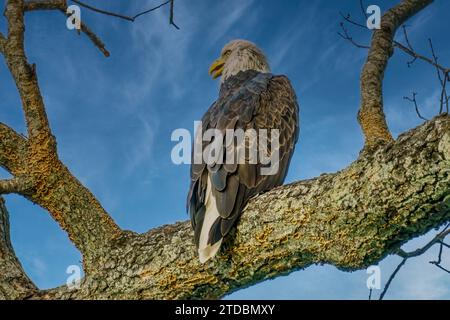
<point x="226" y="53"/>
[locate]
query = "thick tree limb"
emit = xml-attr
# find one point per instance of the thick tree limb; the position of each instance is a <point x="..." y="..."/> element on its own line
<point x="14" y="283"/>
<point x="48" y="183"/>
<point x="54" y="187"/>
<point x="371" y="115"/>
<point x="24" y="75"/>
<point x="350" y="219"/>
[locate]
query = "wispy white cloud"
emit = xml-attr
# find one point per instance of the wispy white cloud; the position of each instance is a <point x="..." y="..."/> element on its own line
<point x="141" y="145"/>
<point x="222" y="26"/>
<point x="292" y="35"/>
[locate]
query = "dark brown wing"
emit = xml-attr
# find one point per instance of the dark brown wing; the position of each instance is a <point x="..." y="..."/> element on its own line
<point x="248" y="100"/>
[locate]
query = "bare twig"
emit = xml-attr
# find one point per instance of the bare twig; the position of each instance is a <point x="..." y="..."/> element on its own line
<point x="61" y="6"/>
<point x="414" y="101"/>
<point x="349" y="19"/>
<point x="388" y="283"/>
<point x="437" y="262"/>
<point x="408" y="43"/>
<point x="418" y="252"/>
<point x="108" y="13"/>
<point x="442" y="268"/>
<point x="445" y="245"/>
<point x="418" y="56"/>
<point x="442" y="244"/>
<point x="362" y="6"/>
<point x="171" y="14"/>
<point x="95" y="39"/>
<point x="443" y="78"/>
<point x="437" y="239"/>
<point x="345" y="35"/>
<point x="408" y="49"/>
<point x="131" y="18"/>
<point x="150" y="10"/>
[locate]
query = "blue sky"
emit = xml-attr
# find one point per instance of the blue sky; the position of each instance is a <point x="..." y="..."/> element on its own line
<point x="113" y="117"/>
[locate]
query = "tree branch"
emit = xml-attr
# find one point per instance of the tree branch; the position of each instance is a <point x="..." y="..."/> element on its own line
<point x="2" y="43"/>
<point x="25" y="77"/>
<point x="371" y="116"/>
<point x="416" y="55"/>
<point x="95" y="39"/>
<point x="131" y="18"/>
<point x="416" y="253"/>
<point x="18" y="185"/>
<point x="14" y="283"/>
<point x="346" y="36"/>
<point x="108" y="13"/>
<point x="442" y="72"/>
<point x="408" y="49"/>
<point x="350" y="219"/>
<point x="61" y="5"/>
<point x="413" y="100"/>
<point x="54" y="188"/>
<point x="391" y="278"/>
<point x="13" y="150"/>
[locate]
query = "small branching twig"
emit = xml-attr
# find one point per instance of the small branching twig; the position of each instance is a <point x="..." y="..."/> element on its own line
<point x="61" y="5"/>
<point x="443" y="78"/>
<point x="442" y="244"/>
<point x="108" y="13"/>
<point x="414" y="101"/>
<point x="439" y="238"/>
<point x="362" y="6"/>
<point x="408" y="43"/>
<point x="134" y="17"/>
<point x="408" y="49"/>
<point x="345" y="35"/>
<point x="171" y="15"/>
<point x="442" y="72"/>
<point x="388" y="283"/>
<point x="349" y="19"/>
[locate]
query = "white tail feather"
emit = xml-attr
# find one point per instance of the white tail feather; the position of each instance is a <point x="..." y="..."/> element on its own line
<point x="206" y="251"/>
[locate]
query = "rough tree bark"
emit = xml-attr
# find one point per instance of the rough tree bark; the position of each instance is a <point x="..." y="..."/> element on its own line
<point x="394" y="191"/>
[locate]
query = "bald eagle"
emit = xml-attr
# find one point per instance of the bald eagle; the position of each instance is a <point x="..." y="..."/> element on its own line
<point x="250" y="97"/>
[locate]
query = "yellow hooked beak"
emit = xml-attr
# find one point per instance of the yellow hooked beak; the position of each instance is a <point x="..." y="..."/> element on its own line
<point x="216" y="68"/>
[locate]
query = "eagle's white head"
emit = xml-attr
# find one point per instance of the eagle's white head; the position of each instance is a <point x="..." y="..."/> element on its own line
<point x="238" y="55"/>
